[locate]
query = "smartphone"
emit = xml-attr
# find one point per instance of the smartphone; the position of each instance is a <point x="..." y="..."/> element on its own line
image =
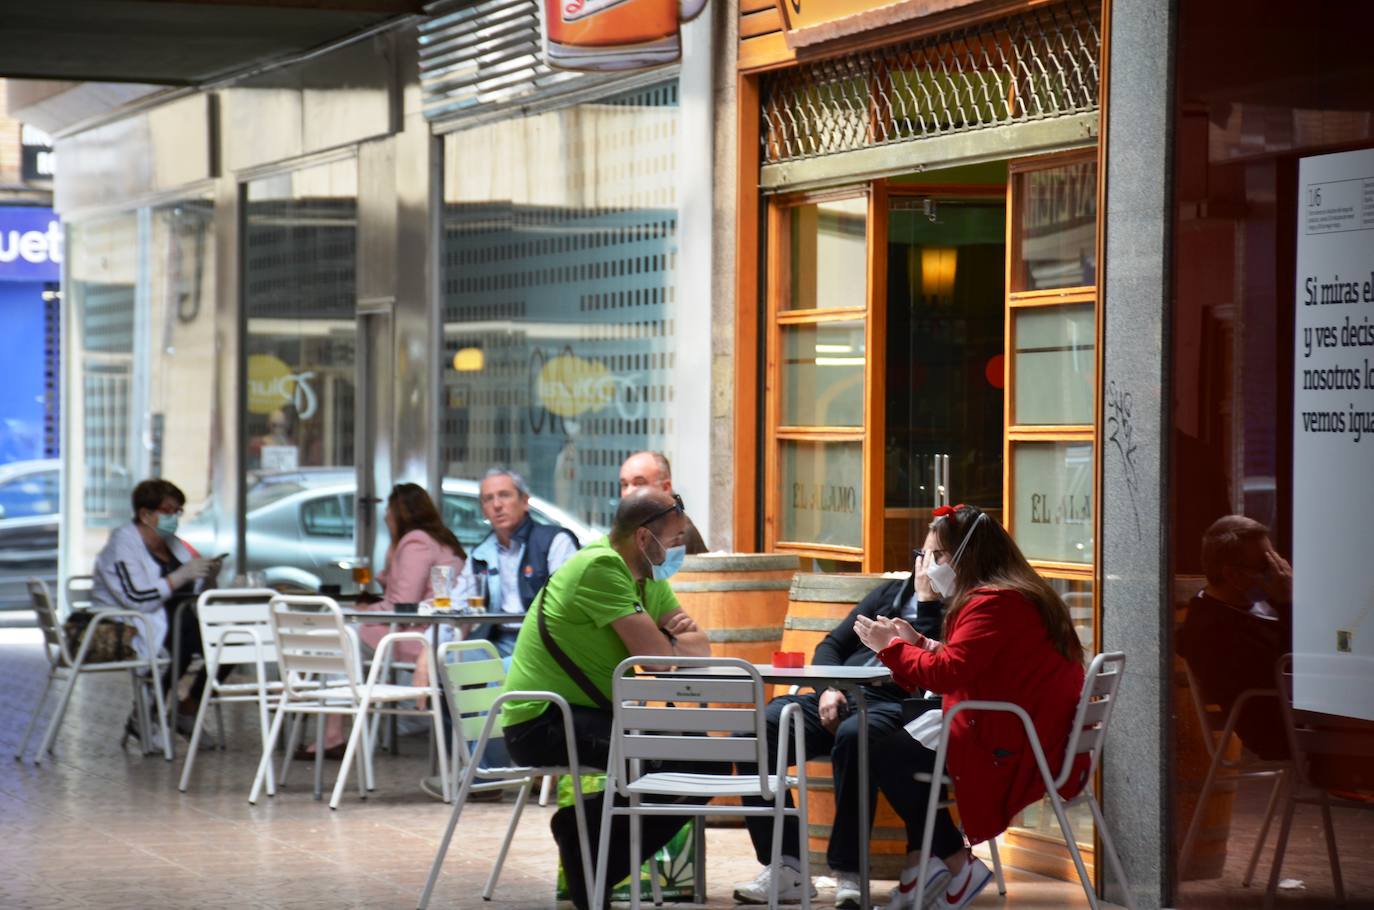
<point x="221" y="557"/>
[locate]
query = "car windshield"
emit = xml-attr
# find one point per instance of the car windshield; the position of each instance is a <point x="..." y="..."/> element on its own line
<point x="267" y="493"/>
<point x="29" y="495"/>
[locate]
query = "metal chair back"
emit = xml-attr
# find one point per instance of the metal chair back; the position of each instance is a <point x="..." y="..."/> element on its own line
<point x="312" y="641"/>
<point x="244" y="611"/>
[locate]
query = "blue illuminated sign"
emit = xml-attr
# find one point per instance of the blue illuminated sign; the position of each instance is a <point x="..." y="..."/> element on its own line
<point x="30" y="244"/>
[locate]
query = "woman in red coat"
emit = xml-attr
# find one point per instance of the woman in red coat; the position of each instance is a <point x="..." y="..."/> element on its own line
<point x="1007" y="637"/>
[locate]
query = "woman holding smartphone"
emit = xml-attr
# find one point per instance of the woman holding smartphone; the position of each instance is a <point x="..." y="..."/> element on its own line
<point x="1007" y="637"/>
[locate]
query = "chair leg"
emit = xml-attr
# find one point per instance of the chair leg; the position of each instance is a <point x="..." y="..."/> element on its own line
<point x="437" y="718"/>
<point x="205" y="699"/>
<point x="1109" y="847"/>
<point x="495" y="873"/>
<point x="1264" y="830"/>
<point x="1290" y="804"/>
<point x="997" y="867"/>
<point x="362" y="757"/>
<point x="266" y="761"/>
<point x="319" y="757"/>
<point x="163" y="717"/>
<point x="655" y="886"/>
<point x="458" y="804"/>
<point x="50" y="734"/>
<point x="355" y="742"/>
<point x="37" y="710"/>
<point x="219" y="725"/>
<point x="145" y="719"/>
<point x="546" y="789"/>
<point x="1331" y="853"/>
<point x="1072" y="843"/>
<point x="603" y="848"/>
<point x="293" y="739"/>
<point x="636" y="852"/>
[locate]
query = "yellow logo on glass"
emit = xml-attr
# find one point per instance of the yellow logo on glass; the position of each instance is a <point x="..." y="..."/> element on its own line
<point x="571" y="385"/>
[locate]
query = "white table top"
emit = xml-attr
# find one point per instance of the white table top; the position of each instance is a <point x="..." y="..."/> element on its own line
<point x="811" y="673"/>
<point x="446" y="617"/>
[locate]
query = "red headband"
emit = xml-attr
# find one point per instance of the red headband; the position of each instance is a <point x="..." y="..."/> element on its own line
<point x="942" y="511"/>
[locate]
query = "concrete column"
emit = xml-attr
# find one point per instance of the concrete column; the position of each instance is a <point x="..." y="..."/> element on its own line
<point x="725" y="22"/>
<point x="1136" y="607"/>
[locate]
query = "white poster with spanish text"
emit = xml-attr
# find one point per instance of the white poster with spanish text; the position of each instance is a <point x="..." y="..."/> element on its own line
<point x="1333" y="436"/>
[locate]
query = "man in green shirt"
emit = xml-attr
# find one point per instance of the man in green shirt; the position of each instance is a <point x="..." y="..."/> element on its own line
<point x="607" y="602"/>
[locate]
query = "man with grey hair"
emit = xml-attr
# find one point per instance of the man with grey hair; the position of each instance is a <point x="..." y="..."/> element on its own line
<point x="516" y="558"/>
<point x="652" y="469"/>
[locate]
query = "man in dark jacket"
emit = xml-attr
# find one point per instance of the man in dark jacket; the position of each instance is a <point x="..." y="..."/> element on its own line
<point x="832" y="728"/>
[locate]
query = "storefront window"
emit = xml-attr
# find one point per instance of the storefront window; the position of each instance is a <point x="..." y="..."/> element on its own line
<point x="1055" y="366"/>
<point x="141" y="292"/>
<point x="1056" y="246"/>
<point x="827" y="261"/>
<point x="822" y="493"/>
<point x="1053" y="508"/>
<point x="1258" y="118"/>
<point x="560" y="245"/>
<point x="823" y="374"/>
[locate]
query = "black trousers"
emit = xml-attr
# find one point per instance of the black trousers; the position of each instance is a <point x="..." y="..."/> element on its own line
<point x="893" y="758"/>
<point x="191" y="645"/>
<point x="541" y="742"/>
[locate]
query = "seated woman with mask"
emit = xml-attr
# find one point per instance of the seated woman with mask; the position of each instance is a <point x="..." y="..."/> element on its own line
<point x="1007" y="637"/>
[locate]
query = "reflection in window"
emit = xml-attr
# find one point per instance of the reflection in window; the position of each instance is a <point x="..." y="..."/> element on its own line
<point x="823" y="374"/>
<point x="828" y="261"/>
<point x="822" y="493"/>
<point x="559" y="296"/>
<point x="1058" y="230"/>
<point x="325" y="517"/>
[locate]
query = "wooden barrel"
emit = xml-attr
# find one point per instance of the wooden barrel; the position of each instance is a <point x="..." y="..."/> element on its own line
<point x="739" y="599"/>
<point x="817" y="604"/>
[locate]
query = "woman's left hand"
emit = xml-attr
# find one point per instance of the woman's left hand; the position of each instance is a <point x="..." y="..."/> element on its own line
<point x="876" y="634"/>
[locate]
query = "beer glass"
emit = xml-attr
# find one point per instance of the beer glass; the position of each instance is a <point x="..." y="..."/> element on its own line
<point x="362" y="572"/>
<point x="441" y="585"/>
<point x="477" y="591"/>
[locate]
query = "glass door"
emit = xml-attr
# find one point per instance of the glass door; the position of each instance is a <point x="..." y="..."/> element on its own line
<point x="945" y="376"/>
<point x="819" y="377"/>
<point x="301" y="350"/>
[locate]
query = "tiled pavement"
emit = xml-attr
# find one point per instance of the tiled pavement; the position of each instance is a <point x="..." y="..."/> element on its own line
<point x="99" y="827"/>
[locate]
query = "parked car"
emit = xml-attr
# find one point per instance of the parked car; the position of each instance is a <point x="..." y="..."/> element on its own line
<point x="30" y="517"/>
<point x="300" y="526"/>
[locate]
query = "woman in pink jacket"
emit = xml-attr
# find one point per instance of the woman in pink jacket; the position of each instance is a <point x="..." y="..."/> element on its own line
<point x="419" y="542"/>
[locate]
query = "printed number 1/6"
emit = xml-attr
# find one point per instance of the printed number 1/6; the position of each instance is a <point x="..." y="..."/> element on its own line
<point x="1314" y="196"/>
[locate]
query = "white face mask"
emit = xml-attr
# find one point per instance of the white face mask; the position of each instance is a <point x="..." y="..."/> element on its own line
<point x="941" y="575"/>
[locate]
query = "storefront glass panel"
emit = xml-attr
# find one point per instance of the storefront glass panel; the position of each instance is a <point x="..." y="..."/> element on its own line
<point x="1252" y="112"/>
<point x="559" y="305"/>
<point x="1053" y="509"/>
<point x="1055" y="367"/>
<point x="300" y="354"/>
<point x="827" y="256"/>
<point x="822" y="493"/>
<point x="823" y="374"/>
<point x="1057" y="242"/>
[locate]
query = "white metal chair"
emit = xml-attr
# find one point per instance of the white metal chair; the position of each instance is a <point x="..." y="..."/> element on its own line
<point x="1217" y="731"/>
<point x="1311" y="734"/>
<point x="235" y="629"/>
<point x="312" y="641"/>
<point x="1089" y="731"/>
<point x="949" y="803"/>
<point x="681" y="732"/>
<point x="78" y="592"/>
<point x="63" y="664"/>
<point x="475" y="704"/>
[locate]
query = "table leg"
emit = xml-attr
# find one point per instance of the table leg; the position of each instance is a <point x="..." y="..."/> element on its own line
<point x="865" y="834"/>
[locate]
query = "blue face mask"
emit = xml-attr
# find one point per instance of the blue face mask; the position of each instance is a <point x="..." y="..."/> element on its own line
<point x="166" y="525"/>
<point x="672" y="560"/>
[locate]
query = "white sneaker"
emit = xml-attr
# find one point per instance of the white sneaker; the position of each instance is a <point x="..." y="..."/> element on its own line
<point x="910" y="894"/>
<point x="846" y="892"/>
<point x="964" y="887"/>
<point x="789" y="887"/>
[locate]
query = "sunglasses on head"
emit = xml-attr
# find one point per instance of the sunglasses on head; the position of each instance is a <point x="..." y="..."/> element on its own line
<point x="677" y="507"/>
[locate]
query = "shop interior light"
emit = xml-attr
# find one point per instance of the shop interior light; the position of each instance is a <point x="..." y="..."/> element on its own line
<point x="938" y="265"/>
<point x="834" y="349"/>
<point x="469" y="360"/>
<point x="839" y="361"/>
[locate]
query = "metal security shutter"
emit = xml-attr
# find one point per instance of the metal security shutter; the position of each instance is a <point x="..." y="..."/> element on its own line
<point x="482" y="61"/>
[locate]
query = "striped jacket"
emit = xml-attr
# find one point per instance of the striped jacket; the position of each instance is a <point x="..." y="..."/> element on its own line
<point x="128" y="578"/>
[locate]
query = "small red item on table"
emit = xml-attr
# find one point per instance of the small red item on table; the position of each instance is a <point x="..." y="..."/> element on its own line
<point x="789" y="659"/>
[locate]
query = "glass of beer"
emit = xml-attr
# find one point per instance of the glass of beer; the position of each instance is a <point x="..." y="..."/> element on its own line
<point x="362" y="572"/>
<point x="477" y="591"/>
<point x="441" y="584"/>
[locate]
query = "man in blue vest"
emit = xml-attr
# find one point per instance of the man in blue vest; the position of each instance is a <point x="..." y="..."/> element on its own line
<point x="516" y="558"/>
